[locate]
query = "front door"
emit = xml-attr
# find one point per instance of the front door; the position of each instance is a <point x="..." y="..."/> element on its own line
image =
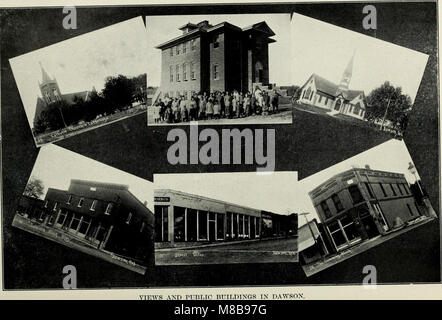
<point x="338" y="105"/>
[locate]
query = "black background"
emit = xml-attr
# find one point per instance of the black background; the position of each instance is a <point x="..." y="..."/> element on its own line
<point x="309" y="145"/>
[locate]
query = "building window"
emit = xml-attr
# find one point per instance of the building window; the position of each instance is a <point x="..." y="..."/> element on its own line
<point x="337" y="202"/>
<point x="355" y="194"/>
<point x="220" y="226"/>
<point x="215" y="72"/>
<point x="368" y="187"/>
<point x="392" y="190"/>
<point x="55" y="206"/>
<point x="109" y="208"/>
<point x="326" y="209"/>
<point x="320" y="98"/>
<point x="178" y="49"/>
<point x="93" y="205"/>
<point x="143" y="225"/>
<point x="383" y="190"/>
<point x="184" y="47"/>
<point x="192" y="44"/>
<point x="215" y="41"/>
<point x="69" y="199"/>
<point x="192" y="70"/>
<point x="400" y="189"/>
<point x="171" y="73"/>
<point x="129" y="217"/>
<point x="202" y="224"/>
<point x="48" y="97"/>
<point x="177" y="71"/>
<point x="407" y="190"/>
<point x="409" y="210"/>
<point x="56" y="95"/>
<point x="161" y="223"/>
<point x="80" y="202"/>
<point x="46" y="203"/>
<point x="171" y="51"/>
<point x="184" y="72"/>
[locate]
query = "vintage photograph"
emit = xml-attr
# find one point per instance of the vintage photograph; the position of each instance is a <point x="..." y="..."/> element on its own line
<point x="359" y="204"/>
<point x="88" y="206"/>
<point x="242" y="218"/>
<point x="85" y="82"/>
<point x="350" y="77"/>
<point x="219" y="69"/>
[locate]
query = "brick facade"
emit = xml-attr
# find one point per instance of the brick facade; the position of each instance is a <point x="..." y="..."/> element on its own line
<point x="223" y="57"/>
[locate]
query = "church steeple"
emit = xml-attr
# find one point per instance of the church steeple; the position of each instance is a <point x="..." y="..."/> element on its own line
<point x="346" y="76"/>
<point x="49" y="87"/>
<point x="44" y="75"/>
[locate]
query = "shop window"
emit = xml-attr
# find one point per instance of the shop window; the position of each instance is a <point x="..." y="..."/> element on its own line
<point x="229" y="225"/>
<point x="202" y="224"/>
<point x="241" y="226"/>
<point x="85" y="225"/>
<point x="246" y="226"/>
<point x="337" y="234"/>
<point x="74" y="222"/>
<point x="355" y="194"/>
<point x="235" y="226"/>
<point x="161" y="223"/>
<point x="337" y="202"/>
<point x="220" y="226"/>
<point x="191" y="224"/>
<point x="326" y="209"/>
<point x="179" y="223"/>
<point x="349" y="228"/>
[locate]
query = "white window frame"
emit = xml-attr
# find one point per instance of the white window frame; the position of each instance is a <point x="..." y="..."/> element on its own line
<point x="93" y="205"/>
<point x="80" y="202"/>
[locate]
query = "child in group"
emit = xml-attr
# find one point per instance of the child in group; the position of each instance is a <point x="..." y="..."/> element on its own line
<point x="209" y="108"/>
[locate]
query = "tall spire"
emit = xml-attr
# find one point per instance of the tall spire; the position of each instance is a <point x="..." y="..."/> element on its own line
<point x="346" y="76"/>
<point x="44" y="75"/>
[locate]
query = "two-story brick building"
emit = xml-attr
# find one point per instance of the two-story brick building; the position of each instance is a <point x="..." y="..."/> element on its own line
<point x="361" y="203"/>
<point x="102" y="215"/>
<point x="209" y="58"/>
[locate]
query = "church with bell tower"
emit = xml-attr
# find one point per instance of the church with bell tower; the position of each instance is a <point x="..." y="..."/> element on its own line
<point x="338" y="98"/>
<point x="51" y="93"/>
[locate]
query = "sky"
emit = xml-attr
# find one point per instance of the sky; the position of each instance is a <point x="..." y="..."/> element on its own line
<point x="390" y="156"/>
<point x="272" y="192"/>
<point x="325" y="49"/>
<point x="163" y="28"/>
<point x="83" y="62"/>
<point x="56" y="166"/>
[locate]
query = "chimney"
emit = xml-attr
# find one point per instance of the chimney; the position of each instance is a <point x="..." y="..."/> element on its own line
<point x="204" y="23"/>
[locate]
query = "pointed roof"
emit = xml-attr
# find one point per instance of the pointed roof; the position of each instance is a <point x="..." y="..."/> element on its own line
<point x="44" y="75"/>
<point x="349" y="68"/>
<point x="324" y="85"/>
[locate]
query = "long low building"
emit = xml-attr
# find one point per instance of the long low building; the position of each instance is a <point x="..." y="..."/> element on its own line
<point x="184" y="217"/>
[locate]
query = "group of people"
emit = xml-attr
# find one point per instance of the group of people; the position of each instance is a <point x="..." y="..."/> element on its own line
<point x="216" y="105"/>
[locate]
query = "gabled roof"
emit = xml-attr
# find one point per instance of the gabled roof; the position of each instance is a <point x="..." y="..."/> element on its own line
<point x="351" y="94"/>
<point x="262" y="27"/>
<point x="325" y="85"/>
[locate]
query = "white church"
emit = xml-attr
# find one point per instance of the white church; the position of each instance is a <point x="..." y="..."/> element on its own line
<point x="323" y="93"/>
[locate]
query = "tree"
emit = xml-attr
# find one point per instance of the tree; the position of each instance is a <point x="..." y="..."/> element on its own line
<point x="118" y="92"/>
<point x="140" y="84"/>
<point x="388" y="103"/>
<point x="34" y="188"/>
